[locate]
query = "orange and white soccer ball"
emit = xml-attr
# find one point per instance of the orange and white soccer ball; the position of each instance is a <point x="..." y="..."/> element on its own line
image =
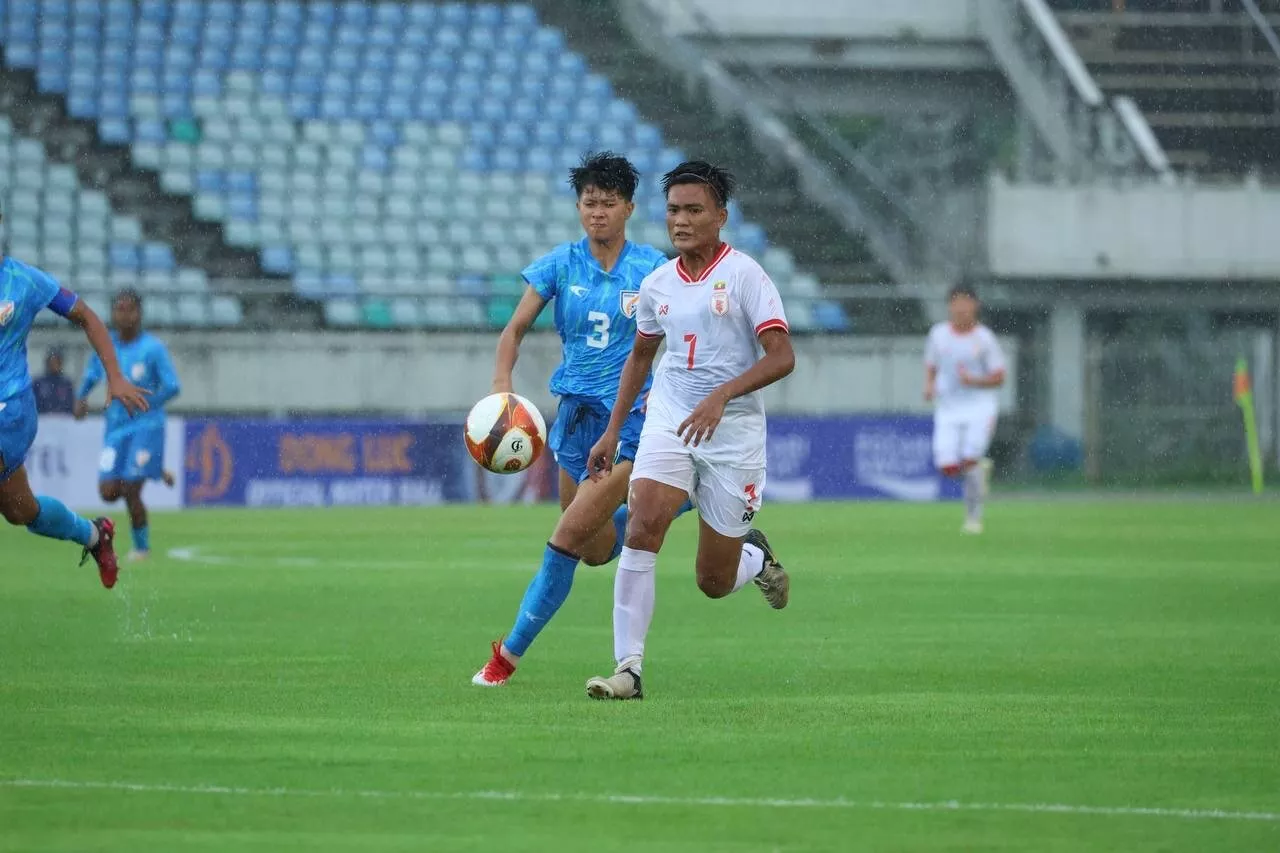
<point x="505" y="433"/>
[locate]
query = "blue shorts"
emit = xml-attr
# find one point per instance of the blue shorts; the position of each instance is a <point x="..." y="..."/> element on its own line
<point x="134" y="455"/>
<point x="579" y="425"/>
<point x="17" y="431"/>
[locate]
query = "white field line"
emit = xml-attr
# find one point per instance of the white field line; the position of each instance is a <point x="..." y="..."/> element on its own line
<point x="200" y="554"/>
<point x="652" y="800"/>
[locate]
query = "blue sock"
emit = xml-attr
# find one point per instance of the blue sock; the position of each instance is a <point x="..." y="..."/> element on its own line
<point x="142" y="538"/>
<point x="687" y="506"/>
<point x="548" y="590"/>
<point x="55" y="521"/>
<point x="620" y="528"/>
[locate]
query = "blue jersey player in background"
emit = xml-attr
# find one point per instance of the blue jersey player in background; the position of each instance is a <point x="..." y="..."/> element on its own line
<point x="133" y="449"/>
<point x="594" y="284"/>
<point x="24" y="292"/>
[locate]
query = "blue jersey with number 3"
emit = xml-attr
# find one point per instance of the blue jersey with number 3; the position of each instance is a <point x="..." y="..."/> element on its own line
<point x="595" y="313"/>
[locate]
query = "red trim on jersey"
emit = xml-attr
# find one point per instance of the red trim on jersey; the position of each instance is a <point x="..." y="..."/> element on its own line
<point x="649" y="336"/>
<point x="725" y="249"/>
<point x="775" y="323"/>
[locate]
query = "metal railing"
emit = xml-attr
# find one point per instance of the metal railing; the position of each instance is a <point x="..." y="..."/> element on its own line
<point x="1084" y="133"/>
<point x="844" y="182"/>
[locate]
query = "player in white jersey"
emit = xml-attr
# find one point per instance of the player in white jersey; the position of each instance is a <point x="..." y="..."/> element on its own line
<point x="964" y="367"/>
<point x="704" y="433"/>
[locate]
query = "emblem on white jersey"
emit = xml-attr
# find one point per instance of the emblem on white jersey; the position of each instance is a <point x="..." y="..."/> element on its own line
<point x="629" y="300"/>
<point x="577" y="290"/>
<point x="720" y="299"/>
<point x="138" y="372"/>
<point x="6" y="312"/>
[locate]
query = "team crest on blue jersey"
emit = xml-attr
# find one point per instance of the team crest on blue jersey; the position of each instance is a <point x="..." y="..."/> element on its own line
<point x="720" y="298"/>
<point x="6" y="312"/>
<point x="630" y="301"/>
<point x="138" y="372"/>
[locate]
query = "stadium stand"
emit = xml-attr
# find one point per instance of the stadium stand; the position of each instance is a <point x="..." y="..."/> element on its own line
<point x="54" y="222"/>
<point x="398" y="162"/>
<point x="1199" y="69"/>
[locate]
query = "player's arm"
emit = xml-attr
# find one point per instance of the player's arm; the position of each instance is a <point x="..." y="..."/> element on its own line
<point x="93" y="374"/>
<point x="527" y="311"/>
<point x="930" y="368"/>
<point x="169" y="386"/>
<point x="134" y="399"/>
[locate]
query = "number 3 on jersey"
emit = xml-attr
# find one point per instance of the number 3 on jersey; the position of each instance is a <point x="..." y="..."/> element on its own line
<point x="598" y="337"/>
<point x="692" y="340"/>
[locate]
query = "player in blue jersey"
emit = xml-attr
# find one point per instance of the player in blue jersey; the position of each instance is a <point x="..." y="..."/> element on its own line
<point x="133" y="449"/>
<point x="24" y="292"/>
<point x="594" y="284"/>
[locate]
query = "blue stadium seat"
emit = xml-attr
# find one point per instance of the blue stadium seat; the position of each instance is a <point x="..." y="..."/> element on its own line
<point x="123" y="255"/>
<point x="157" y="256"/>
<point x="278" y="260"/>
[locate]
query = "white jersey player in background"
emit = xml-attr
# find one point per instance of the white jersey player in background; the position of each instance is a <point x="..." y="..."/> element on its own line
<point x="704" y="433"/>
<point x="964" y="368"/>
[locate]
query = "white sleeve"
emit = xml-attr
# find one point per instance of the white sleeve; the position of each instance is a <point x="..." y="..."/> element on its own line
<point x="762" y="303"/>
<point x="931" y="349"/>
<point x="995" y="362"/>
<point x="646" y="316"/>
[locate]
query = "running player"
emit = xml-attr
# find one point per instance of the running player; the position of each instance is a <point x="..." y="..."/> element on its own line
<point x="595" y="283"/>
<point x="24" y="292"/>
<point x="964" y="367"/>
<point x="704" y="432"/>
<point x="133" y="448"/>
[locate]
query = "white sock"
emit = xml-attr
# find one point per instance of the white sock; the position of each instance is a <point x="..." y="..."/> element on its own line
<point x="973" y="493"/>
<point x="750" y="564"/>
<point x="634" y="586"/>
<point x="93" y="536"/>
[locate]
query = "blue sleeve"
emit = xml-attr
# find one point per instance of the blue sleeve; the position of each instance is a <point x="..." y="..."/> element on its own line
<point x="543" y="274"/>
<point x="169" y="386"/>
<point x="47" y="293"/>
<point x="93" y="374"/>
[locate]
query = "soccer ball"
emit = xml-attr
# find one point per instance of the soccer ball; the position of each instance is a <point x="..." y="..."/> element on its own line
<point x="505" y="433"/>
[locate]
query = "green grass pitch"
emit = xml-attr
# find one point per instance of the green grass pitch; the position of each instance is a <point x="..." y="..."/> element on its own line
<point x="1086" y="676"/>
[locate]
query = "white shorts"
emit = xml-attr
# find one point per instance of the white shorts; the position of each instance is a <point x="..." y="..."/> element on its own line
<point x="727" y="498"/>
<point x="961" y="436"/>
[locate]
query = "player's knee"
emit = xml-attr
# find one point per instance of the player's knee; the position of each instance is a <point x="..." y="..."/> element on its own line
<point x="714" y="585"/>
<point x="644" y="530"/>
<point x="109" y="491"/>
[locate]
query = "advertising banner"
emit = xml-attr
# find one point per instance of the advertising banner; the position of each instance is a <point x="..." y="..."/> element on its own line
<point x="854" y="458"/>
<point x="63" y="463"/>
<point x="338" y="462"/>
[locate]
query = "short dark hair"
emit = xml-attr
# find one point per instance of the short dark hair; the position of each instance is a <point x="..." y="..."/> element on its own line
<point x="720" y="180"/>
<point x="963" y="290"/>
<point x="128" y="293"/>
<point x="606" y="171"/>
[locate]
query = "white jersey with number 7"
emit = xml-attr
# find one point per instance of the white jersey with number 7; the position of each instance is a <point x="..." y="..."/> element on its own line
<point x="712" y="325"/>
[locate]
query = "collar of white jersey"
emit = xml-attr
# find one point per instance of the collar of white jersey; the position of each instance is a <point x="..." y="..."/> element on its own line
<point x="725" y="249"/>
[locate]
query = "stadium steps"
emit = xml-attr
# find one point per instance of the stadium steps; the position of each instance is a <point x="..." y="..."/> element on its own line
<point x="132" y="190"/>
<point x="772" y="197"/>
<point x="1207" y="82"/>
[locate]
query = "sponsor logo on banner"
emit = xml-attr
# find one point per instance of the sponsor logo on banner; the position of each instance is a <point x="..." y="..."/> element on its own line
<point x="629" y="300"/>
<point x="6" y="312"/>
<point x="210" y="465"/>
<point x="720" y="299"/>
<point x="854" y="457"/>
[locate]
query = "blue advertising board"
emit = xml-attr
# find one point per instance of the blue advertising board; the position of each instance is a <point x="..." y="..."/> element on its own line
<point x="340" y="462"/>
<point x="323" y="463"/>
<point x="854" y="457"/>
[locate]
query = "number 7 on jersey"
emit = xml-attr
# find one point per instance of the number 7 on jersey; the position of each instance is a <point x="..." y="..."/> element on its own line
<point x="692" y="340"/>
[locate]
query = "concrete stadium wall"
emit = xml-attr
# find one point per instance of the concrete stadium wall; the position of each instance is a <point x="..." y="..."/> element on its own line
<point x="929" y="20"/>
<point x="423" y="373"/>
<point x="1149" y="231"/>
